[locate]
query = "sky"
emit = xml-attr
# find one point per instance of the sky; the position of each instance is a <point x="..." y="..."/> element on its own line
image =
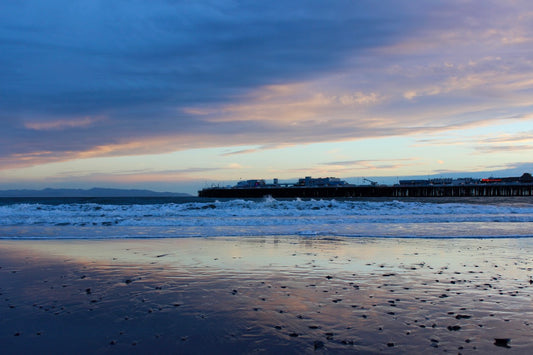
<point x="180" y="95"/>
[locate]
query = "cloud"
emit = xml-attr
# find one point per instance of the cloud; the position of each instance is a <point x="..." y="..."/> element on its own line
<point x="359" y="98"/>
<point x="499" y="170"/>
<point x="94" y="57"/>
<point x="519" y="167"/>
<point x="486" y="142"/>
<point x="89" y="79"/>
<point x="503" y="148"/>
<point x="374" y="164"/>
<point x="234" y="166"/>
<point x="60" y="124"/>
<point x="510" y="138"/>
<point x="140" y="65"/>
<point x="409" y="95"/>
<point x="242" y="151"/>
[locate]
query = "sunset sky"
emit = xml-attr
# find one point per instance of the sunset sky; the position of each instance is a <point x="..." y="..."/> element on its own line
<point x="177" y="95"/>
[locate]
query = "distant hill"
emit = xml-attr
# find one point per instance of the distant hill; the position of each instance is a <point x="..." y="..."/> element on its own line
<point x="94" y="192"/>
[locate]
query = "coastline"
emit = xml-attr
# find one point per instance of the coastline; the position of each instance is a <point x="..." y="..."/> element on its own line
<point x="266" y="293"/>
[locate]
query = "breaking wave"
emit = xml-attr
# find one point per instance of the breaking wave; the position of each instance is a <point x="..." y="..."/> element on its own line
<point x="196" y="217"/>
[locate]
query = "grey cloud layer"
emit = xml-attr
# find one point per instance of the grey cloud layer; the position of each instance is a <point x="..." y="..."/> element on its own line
<point x="126" y="69"/>
<point x="68" y="59"/>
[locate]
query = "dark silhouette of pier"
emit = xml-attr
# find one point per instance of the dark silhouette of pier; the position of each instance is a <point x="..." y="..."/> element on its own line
<point x="473" y="190"/>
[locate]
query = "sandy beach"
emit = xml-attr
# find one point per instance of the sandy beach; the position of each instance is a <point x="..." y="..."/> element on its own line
<point x="266" y="294"/>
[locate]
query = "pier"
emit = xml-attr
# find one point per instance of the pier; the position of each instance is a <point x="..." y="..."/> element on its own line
<point x="473" y="190"/>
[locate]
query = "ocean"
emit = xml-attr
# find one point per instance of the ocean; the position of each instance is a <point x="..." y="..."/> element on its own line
<point x="230" y="276"/>
<point x="191" y="217"/>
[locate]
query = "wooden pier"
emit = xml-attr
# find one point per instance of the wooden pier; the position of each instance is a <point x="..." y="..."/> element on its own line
<point x="474" y="190"/>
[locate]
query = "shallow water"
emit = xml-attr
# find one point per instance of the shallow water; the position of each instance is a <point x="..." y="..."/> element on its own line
<point x="268" y="294"/>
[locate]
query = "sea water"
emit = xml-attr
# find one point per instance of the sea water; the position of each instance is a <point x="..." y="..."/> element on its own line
<point x="111" y="218"/>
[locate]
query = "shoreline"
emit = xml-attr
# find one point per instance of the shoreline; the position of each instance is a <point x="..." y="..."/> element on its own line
<point x="266" y="294"/>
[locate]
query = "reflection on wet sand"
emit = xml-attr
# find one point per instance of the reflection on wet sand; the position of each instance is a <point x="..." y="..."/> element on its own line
<point x="266" y="294"/>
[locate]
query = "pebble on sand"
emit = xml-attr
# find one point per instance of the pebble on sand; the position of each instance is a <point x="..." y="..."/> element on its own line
<point x="503" y="342"/>
<point x="318" y="344"/>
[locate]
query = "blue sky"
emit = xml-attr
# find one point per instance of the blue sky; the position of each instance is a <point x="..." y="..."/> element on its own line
<point x="176" y="95"/>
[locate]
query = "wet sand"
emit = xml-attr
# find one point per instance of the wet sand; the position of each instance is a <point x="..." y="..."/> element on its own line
<point x="267" y="294"/>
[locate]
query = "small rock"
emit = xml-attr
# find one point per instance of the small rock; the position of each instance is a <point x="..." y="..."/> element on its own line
<point x="318" y="344"/>
<point x="462" y="316"/>
<point x="503" y="342"/>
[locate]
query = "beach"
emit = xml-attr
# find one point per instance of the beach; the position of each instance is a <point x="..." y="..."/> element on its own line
<point x="267" y="294"/>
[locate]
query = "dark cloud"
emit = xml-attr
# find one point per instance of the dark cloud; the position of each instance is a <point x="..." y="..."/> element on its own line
<point x="123" y="71"/>
<point x="96" y="56"/>
<point x="88" y="57"/>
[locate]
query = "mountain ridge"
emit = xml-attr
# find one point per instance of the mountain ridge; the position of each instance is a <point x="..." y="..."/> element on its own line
<point x="93" y="192"/>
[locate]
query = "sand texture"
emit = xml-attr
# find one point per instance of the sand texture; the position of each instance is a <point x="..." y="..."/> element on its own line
<point x="268" y="295"/>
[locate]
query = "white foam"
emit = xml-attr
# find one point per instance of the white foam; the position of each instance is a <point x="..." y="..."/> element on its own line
<point x="303" y="217"/>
